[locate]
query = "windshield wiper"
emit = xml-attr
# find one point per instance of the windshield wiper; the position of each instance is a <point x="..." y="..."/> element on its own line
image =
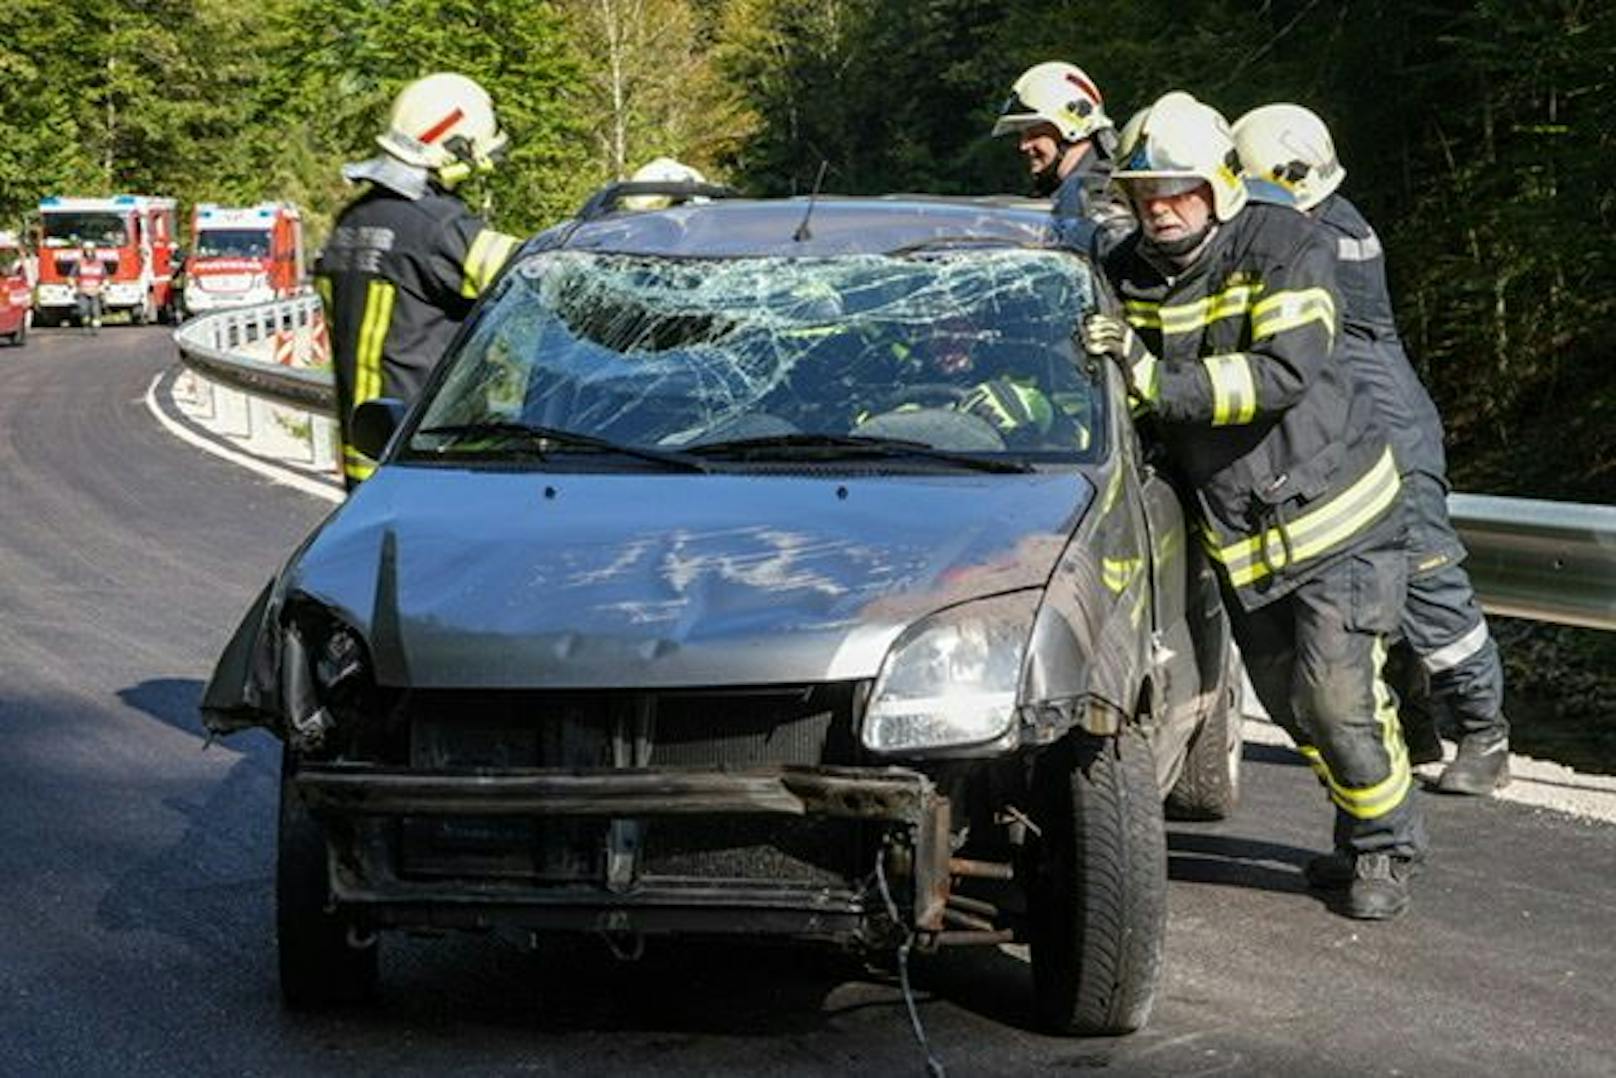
<point x="857" y="445"/>
<point x="506" y="433"/>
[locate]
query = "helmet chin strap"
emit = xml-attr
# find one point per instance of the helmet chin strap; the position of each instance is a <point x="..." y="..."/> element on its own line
<point x="1046" y="181"/>
<point x="1180" y="253"/>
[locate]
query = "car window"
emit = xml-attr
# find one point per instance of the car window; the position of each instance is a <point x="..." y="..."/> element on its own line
<point x="965" y="350"/>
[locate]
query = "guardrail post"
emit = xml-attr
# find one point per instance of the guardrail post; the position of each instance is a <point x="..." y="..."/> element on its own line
<point x="234" y="417"/>
<point x="323" y="443"/>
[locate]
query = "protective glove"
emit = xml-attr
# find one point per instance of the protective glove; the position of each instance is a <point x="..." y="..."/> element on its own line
<point x="1104" y="335"/>
<point x="1009" y="406"/>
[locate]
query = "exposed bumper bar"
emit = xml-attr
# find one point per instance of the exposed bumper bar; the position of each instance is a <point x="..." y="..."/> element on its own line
<point x="358" y="789"/>
<point x="363" y="868"/>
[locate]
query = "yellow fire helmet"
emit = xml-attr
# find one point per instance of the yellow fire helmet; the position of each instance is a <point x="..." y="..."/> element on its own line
<point x="1053" y="93"/>
<point x="1179" y="138"/>
<point x="1289" y="145"/>
<point x="444" y="122"/>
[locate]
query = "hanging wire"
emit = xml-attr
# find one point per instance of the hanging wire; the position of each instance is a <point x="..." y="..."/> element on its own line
<point x="934" y="1066"/>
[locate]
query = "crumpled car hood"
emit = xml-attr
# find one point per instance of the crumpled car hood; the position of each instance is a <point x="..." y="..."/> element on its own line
<point x="474" y="579"/>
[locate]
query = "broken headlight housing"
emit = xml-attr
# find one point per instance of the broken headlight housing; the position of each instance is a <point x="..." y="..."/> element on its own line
<point x="324" y="676"/>
<point x="952" y="681"/>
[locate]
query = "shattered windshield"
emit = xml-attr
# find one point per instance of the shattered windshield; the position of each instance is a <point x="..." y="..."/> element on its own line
<point x="969" y="352"/>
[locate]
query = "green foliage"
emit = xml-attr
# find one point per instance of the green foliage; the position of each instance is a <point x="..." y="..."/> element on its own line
<point x="1478" y="134"/>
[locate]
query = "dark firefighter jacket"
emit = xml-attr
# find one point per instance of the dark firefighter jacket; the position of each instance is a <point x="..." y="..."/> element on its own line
<point x="1370" y="344"/>
<point x="398" y="276"/>
<point x="1288" y="465"/>
<point x="1089" y="213"/>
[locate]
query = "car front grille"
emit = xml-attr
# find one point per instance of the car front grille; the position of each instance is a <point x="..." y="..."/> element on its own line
<point x="696" y="730"/>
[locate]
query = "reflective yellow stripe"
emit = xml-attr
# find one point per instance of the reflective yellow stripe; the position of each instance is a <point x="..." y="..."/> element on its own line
<point x="1372" y="802"/>
<point x="1144" y="377"/>
<point x="1288" y="310"/>
<point x="355" y="464"/>
<point x="487" y="254"/>
<point x="1316" y="531"/>
<point x="1234" y="392"/>
<point x="372" y="337"/>
<point x="1232" y="302"/>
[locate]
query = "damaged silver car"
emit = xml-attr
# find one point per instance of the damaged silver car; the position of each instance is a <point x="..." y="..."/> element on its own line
<point x="752" y="568"/>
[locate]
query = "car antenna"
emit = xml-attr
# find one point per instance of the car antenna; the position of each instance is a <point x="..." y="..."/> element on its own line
<point x="802" y="232"/>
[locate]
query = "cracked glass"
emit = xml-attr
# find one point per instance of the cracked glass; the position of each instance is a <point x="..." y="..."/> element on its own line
<point x="968" y="351"/>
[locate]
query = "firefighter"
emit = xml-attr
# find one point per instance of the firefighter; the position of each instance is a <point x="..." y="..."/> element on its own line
<point x="1442" y="623"/>
<point x="89" y="281"/>
<point x="407" y="258"/>
<point x="1058" y="117"/>
<point x="1228" y="345"/>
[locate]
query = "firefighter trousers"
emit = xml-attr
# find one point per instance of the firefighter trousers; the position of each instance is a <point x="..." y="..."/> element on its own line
<point x="1315" y="658"/>
<point x="1458" y="681"/>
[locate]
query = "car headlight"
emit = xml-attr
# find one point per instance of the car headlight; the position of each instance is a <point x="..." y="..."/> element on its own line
<point x="952" y="680"/>
<point x="324" y="679"/>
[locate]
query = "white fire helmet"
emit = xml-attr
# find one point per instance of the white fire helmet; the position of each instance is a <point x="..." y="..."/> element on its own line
<point x="1290" y="146"/>
<point x="1179" y="138"/>
<point x="661" y="170"/>
<point x="1053" y="93"/>
<point x="444" y="122"/>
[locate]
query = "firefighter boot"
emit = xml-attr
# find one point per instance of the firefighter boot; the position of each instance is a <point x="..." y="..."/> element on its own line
<point x="1334" y="871"/>
<point x="1480" y="767"/>
<point x="1379" y="887"/>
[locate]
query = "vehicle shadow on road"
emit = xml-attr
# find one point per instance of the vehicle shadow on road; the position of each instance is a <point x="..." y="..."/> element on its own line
<point x="1254" y="753"/>
<point x="572" y="984"/>
<point x="211" y="887"/>
<point x="1196" y="856"/>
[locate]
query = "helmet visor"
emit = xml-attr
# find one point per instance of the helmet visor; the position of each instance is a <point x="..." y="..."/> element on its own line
<point x="1159" y="186"/>
<point x="1016" y="115"/>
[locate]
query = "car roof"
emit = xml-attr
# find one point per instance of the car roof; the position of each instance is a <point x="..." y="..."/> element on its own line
<point x="836" y="225"/>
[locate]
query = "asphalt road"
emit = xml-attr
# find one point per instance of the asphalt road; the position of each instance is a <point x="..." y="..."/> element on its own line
<point x="136" y="931"/>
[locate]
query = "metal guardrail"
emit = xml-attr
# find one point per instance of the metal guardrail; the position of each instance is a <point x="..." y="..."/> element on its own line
<point x="1547" y="561"/>
<point x="210" y="344"/>
<point x="1542" y="560"/>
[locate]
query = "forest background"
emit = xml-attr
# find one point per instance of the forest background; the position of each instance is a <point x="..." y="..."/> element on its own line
<point x="1479" y="136"/>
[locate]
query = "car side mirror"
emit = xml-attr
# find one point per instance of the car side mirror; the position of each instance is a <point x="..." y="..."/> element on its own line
<point x="373" y="425"/>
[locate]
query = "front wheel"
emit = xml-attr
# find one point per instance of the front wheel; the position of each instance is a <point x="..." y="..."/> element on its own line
<point x="322" y="963"/>
<point x="1097" y="900"/>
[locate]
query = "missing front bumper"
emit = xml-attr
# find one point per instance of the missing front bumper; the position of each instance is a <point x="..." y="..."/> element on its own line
<point x="638" y="850"/>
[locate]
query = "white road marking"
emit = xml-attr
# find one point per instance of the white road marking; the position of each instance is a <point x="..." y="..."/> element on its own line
<point x="284" y="476"/>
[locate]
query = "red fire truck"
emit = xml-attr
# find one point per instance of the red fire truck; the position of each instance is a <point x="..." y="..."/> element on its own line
<point x="133" y="235"/>
<point x="243" y="255"/>
<point x="16" y="290"/>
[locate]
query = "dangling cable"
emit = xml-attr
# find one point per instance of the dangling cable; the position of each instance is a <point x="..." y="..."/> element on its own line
<point x="934" y="1067"/>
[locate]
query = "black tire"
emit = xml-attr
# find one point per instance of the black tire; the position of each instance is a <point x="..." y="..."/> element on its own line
<point x="320" y="968"/>
<point x="19" y="336"/>
<point x="1209" y="786"/>
<point x="1097" y="900"/>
